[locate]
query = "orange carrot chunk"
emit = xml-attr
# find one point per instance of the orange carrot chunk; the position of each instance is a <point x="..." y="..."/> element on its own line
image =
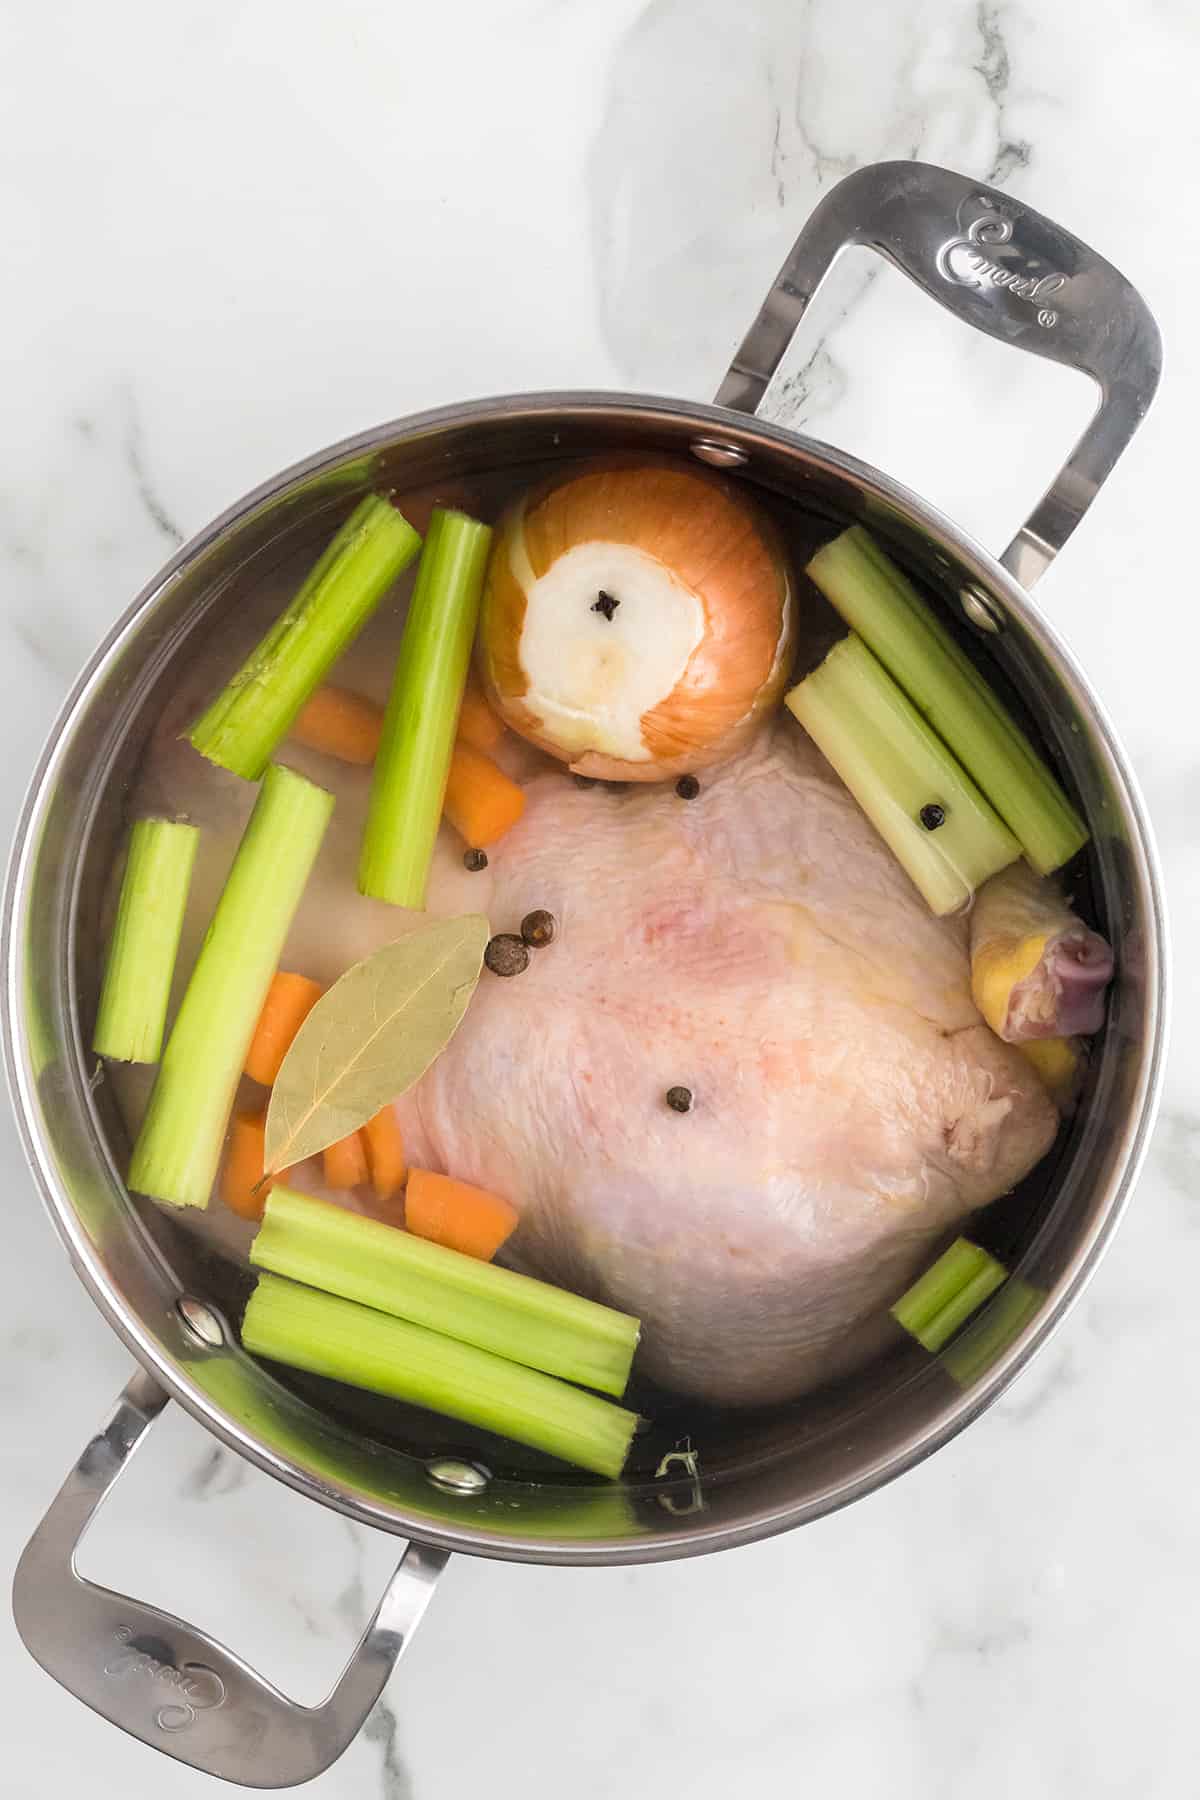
<point x="346" y="1162"/>
<point x="243" y="1169"/>
<point x="290" y="999"/>
<point x="477" y="723"/>
<point x="453" y="1213"/>
<point x="385" y="1153"/>
<point x="481" y="802"/>
<point x="340" y="723"/>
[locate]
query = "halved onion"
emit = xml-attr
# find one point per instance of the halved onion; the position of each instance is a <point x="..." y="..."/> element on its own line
<point x="637" y="620"/>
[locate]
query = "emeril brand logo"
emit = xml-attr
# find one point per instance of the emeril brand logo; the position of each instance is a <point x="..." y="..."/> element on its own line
<point x="966" y="260"/>
<point x="196" y="1687"/>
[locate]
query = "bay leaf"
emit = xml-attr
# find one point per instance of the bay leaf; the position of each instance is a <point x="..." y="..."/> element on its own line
<point x="372" y="1036"/>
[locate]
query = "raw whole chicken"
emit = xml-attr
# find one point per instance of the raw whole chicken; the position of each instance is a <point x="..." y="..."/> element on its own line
<point x="756" y="945"/>
<point x="760" y="947"/>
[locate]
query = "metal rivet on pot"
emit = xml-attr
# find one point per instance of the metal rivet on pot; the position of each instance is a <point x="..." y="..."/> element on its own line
<point x="200" y="1322"/>
<point x="457" y="1477"/>
<point x="980" y="609"/>
<point x="718" y="455"/>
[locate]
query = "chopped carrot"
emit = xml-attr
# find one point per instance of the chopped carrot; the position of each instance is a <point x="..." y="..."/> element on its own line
<point x="290" y="999"/>
<point x="243" y="1170"/>
<point x="477" y="723"/>
<point x="341" y="723"/>
<point x="481" y="802"/>
<point x="457" y="1215"/>
<point x="385" y="1153"/>
<point x="346" y="1162"/>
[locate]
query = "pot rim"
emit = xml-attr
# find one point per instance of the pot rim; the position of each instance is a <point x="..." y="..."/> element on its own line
<point x="741" y="431"/>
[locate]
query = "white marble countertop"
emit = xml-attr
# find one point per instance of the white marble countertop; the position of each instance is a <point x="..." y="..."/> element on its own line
<point x="235" y="232"/>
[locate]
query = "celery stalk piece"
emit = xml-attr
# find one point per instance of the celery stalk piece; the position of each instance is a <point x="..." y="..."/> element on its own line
<point x="898" y="625"/>
<point x="987" y="1338"/>
<point x="257" y="708"/>
<point x="132" y="1013"/>
<point x="944" y="1298"/>
<point x="178" y="1147"/>
<point x="367" y="1349"/>
<point x="475" y="1302"/>
<point x="896" y="768"/>
<point x="419" y="726"/>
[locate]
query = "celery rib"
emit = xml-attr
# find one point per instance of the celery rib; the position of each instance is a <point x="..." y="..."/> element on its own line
<point x="495" y="1309"/>
<point x="132" y="1013"/>
<point x="895" y="766"/>
<point x="419" y="726"/>
<point x="344" y="1341"/>
<point x="178" y="1148"/>
<point x="257" y="708"/>
<point x="971" y="1356"/>
<point x="879" y="602"/>
<point x="945" y="1297"/>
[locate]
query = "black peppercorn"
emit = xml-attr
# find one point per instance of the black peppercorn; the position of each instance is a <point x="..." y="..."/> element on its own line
<point x="604" y="603"/>
<point x="585" y="781"/>
<point x="932" y="816"/>
<point x="687" y="787"/>
<point x="538" y="928"/>
<point x="475" y="860"/>
<point x="507" y="954"/>
<point x="679" y="1099"/>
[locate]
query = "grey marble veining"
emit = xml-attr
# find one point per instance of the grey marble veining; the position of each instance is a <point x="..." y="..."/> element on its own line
<point x="233" y="234"/>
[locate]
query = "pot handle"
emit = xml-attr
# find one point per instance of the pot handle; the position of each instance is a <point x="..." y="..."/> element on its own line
<point x="163" y="1681"/>
<point x="1000" y="266"/>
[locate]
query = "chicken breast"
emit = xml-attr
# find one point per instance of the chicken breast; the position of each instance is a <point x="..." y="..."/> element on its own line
<point x="757" y="945"/>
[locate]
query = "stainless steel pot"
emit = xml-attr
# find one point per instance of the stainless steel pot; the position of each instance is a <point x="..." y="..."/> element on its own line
<point x="1000" y="267"/>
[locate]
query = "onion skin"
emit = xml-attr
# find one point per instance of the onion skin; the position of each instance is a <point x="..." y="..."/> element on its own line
<point x="716" y="544"/>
